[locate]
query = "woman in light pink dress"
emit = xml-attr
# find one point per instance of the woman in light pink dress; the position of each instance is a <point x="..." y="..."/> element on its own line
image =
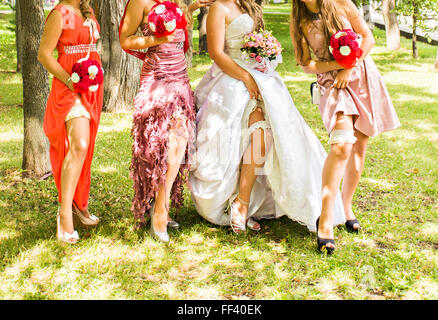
<point x="354" y="106"/>
<point x="164" y="115"/>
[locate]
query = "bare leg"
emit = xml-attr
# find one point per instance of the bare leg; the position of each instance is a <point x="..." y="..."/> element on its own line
<point x="78" y="132"/>
<point x="334" y="168"/>
<point x="253" y="159"/>
<point x="178" y="137"/>
<point x="353" y="172"/>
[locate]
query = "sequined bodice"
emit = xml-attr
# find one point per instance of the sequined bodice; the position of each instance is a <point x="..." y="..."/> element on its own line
<point x="235" y="33"/>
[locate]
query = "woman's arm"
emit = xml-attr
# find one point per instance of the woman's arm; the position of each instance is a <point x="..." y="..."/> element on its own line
<point x="199" y="4"/>
<point x="307" y="63"/>
<point x="216" y="41"/>
<point x="133" y="19"/>
<point x="49" y="40"/>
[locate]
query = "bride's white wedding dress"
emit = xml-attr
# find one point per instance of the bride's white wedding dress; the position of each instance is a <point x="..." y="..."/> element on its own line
<point x="291" y="183"/>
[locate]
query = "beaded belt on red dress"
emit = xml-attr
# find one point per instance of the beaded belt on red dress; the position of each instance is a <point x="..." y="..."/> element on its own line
<point x="80" y="48"/>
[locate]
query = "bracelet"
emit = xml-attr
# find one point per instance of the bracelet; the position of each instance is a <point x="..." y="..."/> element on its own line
<point x="69" y="80"/>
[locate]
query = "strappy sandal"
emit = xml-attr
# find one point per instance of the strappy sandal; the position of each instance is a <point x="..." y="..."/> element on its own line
<point x="251" y="223"/>
<point x="84" y="221"/>
<point x="237" y="222"/>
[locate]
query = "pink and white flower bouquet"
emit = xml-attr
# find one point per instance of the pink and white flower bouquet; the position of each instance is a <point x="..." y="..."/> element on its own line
<point x="263" y="49"/>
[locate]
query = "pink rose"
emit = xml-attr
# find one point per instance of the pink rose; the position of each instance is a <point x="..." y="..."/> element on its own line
<point x="259" y="59"/>
<point x="252" y="55"/>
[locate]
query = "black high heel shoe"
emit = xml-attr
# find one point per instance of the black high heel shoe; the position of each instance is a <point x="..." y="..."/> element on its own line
<point x="349" y="225"/>
<point x="322" y="243"/>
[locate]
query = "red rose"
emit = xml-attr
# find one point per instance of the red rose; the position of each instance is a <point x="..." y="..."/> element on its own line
<point x="343" y="41"/>
<point x="334" y="43"/>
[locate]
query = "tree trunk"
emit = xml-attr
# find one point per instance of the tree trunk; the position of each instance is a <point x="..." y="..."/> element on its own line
<point x="367" y="13"/>
<point x="35" y="91"/>
<point x="391" y="25"/>
<point x="122" y="71"/>
<point x="18" y="35"/>
<point x="414" y="31"/>
<point x="202" y="27"/>
<point x="436" y="61"/>
<point x="189" y="53"/>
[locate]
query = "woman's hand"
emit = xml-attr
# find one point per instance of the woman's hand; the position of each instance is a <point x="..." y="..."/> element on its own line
<point x="202" y="3"/>
<point x="165" y="39"/>
<point x="252" y="87"/>
<point x="343" y="78"/>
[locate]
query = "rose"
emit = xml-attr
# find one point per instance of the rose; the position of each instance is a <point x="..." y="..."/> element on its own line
<point x="259" y="59"/>
<point x="160" y="9"/>
<point x="345" y="50"/>
<point x="171" y="25"/>
<point x="343" y="41"/>
<point x="252" y="55"/>
<point x="93" y="88"/>
<point x="75" y="78"/>
<point x="334" y="43"/>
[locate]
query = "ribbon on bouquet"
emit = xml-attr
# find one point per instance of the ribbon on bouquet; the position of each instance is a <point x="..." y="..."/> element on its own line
<point x="94" y="35"/>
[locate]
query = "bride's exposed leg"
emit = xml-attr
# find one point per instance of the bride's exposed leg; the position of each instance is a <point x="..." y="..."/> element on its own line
<point x="253" y="160"/>
<point x="353" y="172"/>
<point x="178" y="138"/>
<point x="334" y="168"/>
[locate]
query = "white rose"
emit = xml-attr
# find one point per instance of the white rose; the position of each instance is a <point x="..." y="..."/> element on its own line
<point x="93" y="70"/>
<point x="93" y="88"/>
<point x="152" y="26"/>
<point x="75" y="78"/>
<point x="171" y="25"/>
<point x="179" y="11"/>
<point x="340" y="34"/>
<point x="345" y="50"/>
<point x="160" y="9"/>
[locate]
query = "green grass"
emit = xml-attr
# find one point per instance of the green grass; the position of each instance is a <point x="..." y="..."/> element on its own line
<point x="394" y="258"/>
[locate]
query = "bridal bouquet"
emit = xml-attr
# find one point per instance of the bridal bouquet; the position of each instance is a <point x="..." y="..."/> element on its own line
<point x="165" y="18"/>
<point x="264" y="49"/>
<point x="345" y="48"/>
<point x="86" y="75"/>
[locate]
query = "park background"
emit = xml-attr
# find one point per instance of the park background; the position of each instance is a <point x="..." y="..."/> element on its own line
<point x="395" y="257"/>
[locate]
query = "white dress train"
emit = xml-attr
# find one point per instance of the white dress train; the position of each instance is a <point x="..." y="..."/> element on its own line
<point x="291" y="182"/>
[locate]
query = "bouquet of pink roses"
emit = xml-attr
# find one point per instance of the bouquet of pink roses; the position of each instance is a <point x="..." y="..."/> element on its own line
<point x="86" y="75"/>
<point x="345" y="48"/>
<point x="263" y="48"/>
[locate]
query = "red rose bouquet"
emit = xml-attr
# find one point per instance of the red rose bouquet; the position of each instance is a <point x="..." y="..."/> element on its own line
<point x="165" y="18"/>
<point x="345" y="48"/>
<point x="86" y="75"/>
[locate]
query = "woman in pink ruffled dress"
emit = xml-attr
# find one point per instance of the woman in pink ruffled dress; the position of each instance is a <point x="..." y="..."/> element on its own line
<point x="164" y="116"/>
<point x="354" y="106"/>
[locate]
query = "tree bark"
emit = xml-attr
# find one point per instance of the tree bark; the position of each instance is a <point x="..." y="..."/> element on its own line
<point x="189" y="53"/>
<point x="122" y="71"/>
<point x="391" y="25"/>
<point x="35" y="91"/>
<point x="202" y="27"/>
<point x="367" y="13"/>
<point x="414" y="31"/>
<point x="436" y="61"/>
<point x="18" y="35"/>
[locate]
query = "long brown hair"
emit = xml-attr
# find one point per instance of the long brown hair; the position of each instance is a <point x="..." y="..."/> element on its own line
<point x="254" y="10"/>
<point x="330" y="17"/>
<point x="86" y="8"/>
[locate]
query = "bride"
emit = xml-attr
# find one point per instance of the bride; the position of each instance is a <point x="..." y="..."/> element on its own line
<point x="256" y="157"/>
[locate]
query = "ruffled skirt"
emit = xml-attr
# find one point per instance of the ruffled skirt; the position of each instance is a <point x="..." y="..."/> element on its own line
<point x="160" y="102"/>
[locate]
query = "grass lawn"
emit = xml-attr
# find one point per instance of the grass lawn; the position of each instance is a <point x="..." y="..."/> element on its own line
<point x="395" y="257"/>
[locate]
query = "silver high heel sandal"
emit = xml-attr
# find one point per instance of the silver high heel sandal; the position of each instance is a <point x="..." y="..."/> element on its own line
<point x="237" y="222"/>
<point x="162" y="236"/>
<point x="251" y="223"/>
<point x="70" y="238"/>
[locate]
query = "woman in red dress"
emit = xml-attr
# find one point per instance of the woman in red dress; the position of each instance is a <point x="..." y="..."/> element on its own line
<point x="71" y="119"/>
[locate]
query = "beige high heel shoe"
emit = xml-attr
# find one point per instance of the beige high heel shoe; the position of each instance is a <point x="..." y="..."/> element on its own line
<point x="70" y="238"/>
<point x="80" y="218"/>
